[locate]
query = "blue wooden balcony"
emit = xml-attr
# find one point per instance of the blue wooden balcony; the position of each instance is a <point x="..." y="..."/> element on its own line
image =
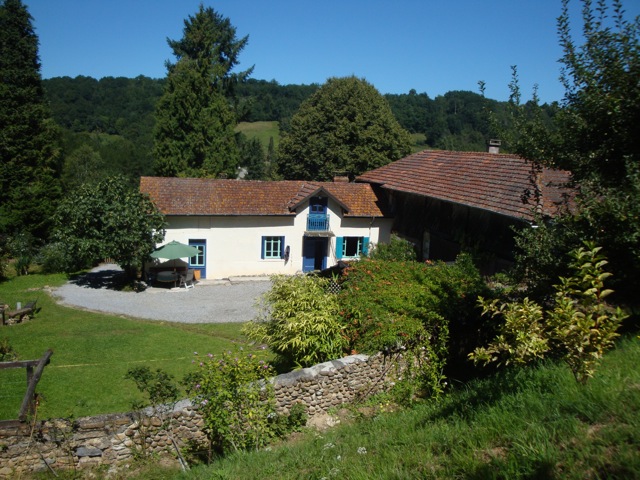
<point x="317" y="222"/>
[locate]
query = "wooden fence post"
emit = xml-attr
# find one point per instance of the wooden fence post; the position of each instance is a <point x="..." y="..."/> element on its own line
<point x="28" y="402"/>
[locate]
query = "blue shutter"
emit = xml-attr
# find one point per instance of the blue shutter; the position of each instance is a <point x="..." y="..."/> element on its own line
<point x="365" y="245"/>
<point x="262" y="248"/>
<point x="281" y="247"/>
<point x="339" y="243"/>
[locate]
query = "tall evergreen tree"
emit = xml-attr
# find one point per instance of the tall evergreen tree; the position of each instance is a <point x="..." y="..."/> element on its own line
<point x="29" y="157"/>
<point x="194" y="118"/>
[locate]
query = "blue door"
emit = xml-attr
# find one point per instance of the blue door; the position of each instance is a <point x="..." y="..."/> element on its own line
<point x="199" y="261"/>
<point x="314" y="254"/>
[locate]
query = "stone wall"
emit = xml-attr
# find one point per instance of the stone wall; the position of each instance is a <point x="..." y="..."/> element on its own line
<point x="112" y="441"/>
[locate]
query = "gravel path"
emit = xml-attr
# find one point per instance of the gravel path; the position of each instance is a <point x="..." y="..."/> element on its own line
<point x="208" y="302"/>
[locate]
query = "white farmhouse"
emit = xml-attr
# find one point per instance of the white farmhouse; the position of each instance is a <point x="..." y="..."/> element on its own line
<point x="244" y="227"/>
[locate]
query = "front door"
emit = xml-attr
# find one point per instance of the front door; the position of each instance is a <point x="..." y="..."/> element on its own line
<point x="199" y="261"/>
<point x="314" y="254"/>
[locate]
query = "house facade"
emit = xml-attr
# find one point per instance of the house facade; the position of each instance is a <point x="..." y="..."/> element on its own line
<point x="446" y="202"/>
<point x="244" y="227"/>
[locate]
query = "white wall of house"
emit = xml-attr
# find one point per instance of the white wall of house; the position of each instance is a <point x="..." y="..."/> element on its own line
<point x="234" y="243"/>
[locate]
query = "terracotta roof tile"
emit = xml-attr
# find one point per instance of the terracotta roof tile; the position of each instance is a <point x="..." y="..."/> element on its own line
<point x="494" y="182"/>
<point x="202" y="196"/>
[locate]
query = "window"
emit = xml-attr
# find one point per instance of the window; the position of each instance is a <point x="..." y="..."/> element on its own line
<point x="351" y="246"/>
<point x="272" y="247"/>
<point x="318" y="205"/>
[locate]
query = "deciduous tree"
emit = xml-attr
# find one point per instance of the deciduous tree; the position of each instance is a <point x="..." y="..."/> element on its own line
<point x="595" y="136"/>
<point x="345" y="127"/>
<point x="108" y="220"/>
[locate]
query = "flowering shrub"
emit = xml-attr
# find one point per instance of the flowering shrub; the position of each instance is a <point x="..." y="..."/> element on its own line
<point x="235" y="397"/>
<point x="385" y="304"/>
<point x="408" y="306"/>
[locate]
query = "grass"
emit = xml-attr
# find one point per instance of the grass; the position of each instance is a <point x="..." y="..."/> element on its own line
<point x="263" y="131"/>
<point x="92" y="352"/>
<point x="419" y="142"/>
<point x="518" y="424"/>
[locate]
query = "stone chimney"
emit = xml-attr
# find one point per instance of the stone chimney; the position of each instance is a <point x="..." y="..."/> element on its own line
<point x="494" y="145"/>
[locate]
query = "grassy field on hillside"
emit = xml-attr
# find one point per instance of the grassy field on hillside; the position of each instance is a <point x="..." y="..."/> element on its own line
<point x="92" y="351"/>
<point x="263" y="131"/>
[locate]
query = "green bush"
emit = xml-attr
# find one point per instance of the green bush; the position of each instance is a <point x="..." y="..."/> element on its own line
<point x="53" y="258"/>
<point x="22" y="248"/>
<point x="236" y="399"/>
<point x="579" y="327"/>
<point x="384" y="303"/>
<point x="397" y="249"/>
<point x="299" y="321"/>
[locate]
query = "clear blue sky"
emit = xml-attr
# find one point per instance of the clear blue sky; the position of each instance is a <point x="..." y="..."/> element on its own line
<point x="432" y="46"/>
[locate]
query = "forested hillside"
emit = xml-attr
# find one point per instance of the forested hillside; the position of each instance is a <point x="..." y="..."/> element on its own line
<point x="114" y="118"/>
<point x="125" y="106"/>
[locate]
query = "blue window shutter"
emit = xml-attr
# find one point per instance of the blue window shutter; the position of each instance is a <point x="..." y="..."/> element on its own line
<point x="365" y="245"/>
<point x="339" y="243"/>
<point x="262" y="248"/>
<point x="281" y="247"/>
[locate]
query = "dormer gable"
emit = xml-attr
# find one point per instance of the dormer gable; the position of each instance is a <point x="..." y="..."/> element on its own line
<point x="310" y="191"/>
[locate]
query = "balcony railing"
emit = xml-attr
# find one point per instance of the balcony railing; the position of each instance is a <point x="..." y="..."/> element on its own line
<point x="317" y="222"/>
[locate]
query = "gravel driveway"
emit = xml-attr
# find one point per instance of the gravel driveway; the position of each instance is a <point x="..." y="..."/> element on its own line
<point x="208" y="302"/>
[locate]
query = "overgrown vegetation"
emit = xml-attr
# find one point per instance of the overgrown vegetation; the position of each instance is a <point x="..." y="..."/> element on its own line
<point x="578" y="328"/>
<point x="519" y="423"/>
<point x="398" y="307"/>
<point x="397" y="249"/>
<point x="595" y="137"/>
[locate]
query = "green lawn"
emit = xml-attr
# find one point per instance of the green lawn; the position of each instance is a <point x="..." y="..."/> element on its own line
<point x="92" y="352"/>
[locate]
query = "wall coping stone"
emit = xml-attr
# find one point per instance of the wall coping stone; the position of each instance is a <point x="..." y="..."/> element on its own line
<point x="309" y="373"/>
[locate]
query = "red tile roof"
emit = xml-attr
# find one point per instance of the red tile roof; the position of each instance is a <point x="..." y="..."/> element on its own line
<point x="204" y="196"/>
<point x="490" y="181"/>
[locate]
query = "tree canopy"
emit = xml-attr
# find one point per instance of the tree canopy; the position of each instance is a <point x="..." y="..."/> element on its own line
<point x="194" y="118"/>
<point x="345" y="127"/>
<point x="108" y="220"/>
<point x="595" y="136"/>
<point x="29" y="157"/>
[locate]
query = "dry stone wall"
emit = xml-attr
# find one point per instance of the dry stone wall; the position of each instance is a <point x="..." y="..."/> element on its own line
<point x="111" y="442"/>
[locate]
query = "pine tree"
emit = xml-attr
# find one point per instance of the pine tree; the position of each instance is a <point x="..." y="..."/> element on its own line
<point x="29" y="158"/>
<point x="194" y="133"/>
